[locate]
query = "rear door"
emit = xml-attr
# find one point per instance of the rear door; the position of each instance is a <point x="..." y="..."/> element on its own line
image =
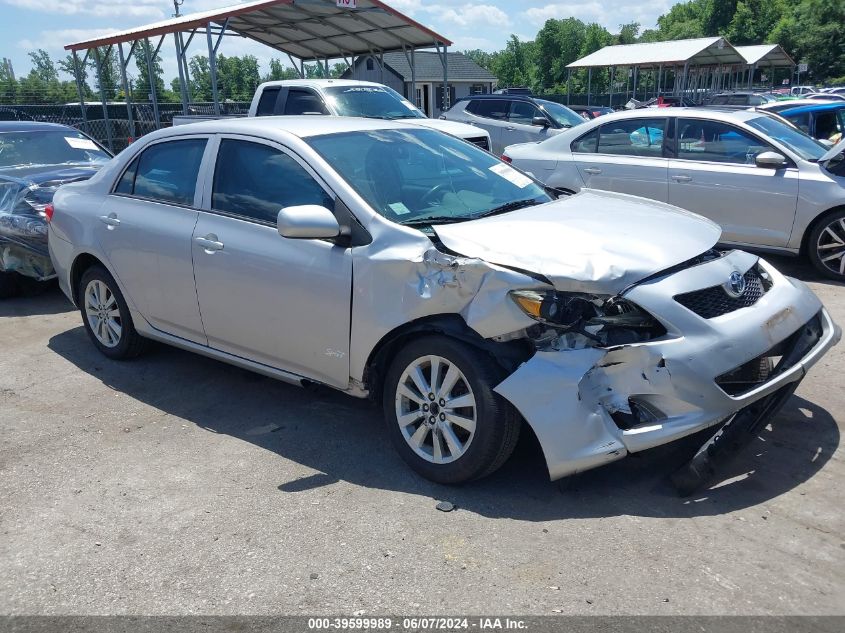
<point x="145" y="228"/>
<point x="715" y="175"/>
<point x="276" y="301"/>
<point x="625" y="156"/>
<point x="491" y="115"/>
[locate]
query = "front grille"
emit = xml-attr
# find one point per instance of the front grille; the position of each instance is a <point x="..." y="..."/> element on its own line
<point x="774" y="362"/>
<point x="481" y="141"/>
<point x="715" y="301"/>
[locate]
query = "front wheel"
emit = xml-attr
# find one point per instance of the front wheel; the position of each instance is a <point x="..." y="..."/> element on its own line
<point x="106" y="316"/>
<point x="826" y="246"/>
<point x="442" y="413"/>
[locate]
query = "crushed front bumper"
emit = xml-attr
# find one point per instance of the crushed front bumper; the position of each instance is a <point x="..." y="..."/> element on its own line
<point x="580" y="402"/>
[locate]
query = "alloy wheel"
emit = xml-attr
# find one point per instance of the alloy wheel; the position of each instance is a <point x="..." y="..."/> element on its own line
<point x="436" y="409"/>
<point x="103" y="313"/>
<point x="831" y="246"/>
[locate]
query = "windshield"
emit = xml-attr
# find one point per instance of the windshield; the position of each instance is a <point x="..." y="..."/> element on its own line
<point x="379" y="102"/>
<point x="54" y="147"/>
<point x="560" y="113"/>
<point x="805" y="146"/>
<point x="426" y="177"/>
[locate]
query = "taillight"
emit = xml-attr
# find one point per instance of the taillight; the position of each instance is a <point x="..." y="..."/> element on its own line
<point x="48" y="211"/>
<point x="507" y="158"/>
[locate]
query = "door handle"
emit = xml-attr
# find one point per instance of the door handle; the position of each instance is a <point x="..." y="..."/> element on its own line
<point x="510" y="129"/>
<point x="110" y="220"/>
<point x="209" y="243"/>
<point x="592" y="170"/>
<point x="682" y="178"/>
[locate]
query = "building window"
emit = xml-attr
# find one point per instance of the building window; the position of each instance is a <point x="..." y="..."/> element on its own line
<point x="370" y="64"/>
<point x="478" y="89"/>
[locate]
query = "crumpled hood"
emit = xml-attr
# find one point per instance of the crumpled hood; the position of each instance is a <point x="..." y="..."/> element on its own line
<point x="41" y="174"/>
<point x="454" y="128"/>
<point x="594" y="241"/>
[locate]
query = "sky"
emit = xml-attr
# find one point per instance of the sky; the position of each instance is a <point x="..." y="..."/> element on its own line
<point x="26" y="25"/>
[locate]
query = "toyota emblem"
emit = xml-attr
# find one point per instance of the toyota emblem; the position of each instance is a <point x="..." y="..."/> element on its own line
<point x="736" y="285"/>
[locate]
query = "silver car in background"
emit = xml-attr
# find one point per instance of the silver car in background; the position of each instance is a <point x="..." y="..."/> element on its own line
<point x="387" y="260"/>
<point x="766" y="183"/>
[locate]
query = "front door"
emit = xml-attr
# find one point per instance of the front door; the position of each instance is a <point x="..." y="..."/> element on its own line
<point x="145" y="232"/>
<point x="281" y="302"/>
<point x="519" y="128"/>
<point x="625" y="156"/>
<point x="715" y="175"/>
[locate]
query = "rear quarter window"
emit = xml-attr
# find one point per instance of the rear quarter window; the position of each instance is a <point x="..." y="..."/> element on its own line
<point x="267" y="102"/>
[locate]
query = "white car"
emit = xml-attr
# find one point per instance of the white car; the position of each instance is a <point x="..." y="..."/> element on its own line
<point x="348" y="97"/>
<point x="764" y="181"/>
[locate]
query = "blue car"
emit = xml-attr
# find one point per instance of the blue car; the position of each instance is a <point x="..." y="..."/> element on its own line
<point x="823" y="121"/>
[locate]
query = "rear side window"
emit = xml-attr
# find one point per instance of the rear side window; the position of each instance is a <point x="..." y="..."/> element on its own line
<point x="267" y="102"/>
<point x="586" y="144"/>
<point x="719" y="100"/>
<point x="166" y="172"/>
<point x="304" y="102"/>
<point x="634" y="137"/>
<point x="256" y="181"/>
<point x="489" y="108"/>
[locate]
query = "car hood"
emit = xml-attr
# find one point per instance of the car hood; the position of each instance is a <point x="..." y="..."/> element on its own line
<point x="833" y="152"/>
<point x="450" y="127"/>
<point x="594" y="241"/>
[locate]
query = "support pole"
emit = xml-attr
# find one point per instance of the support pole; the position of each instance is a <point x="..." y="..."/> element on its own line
<point x="444" y="105"/>
<point x="77" y="75"/>
<point x="182" y="88"/>
<point x="568" y="84"/>
<point x="684" y="81"/>
<point x="636" y="70"/>
<point x="414" y="81"/>
<point x="97" y="59"/>
<point x="610" y="96"/>
<point x="589" y="83"/>
<point x="151" y="78"/>
<point x="381" y="66"/>
<point x="660" y="80"/>
<point x="212" y="69"/>
<point x="126" y="90"/>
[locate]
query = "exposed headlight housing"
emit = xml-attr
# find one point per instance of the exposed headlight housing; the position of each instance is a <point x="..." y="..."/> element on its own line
<point x="605" y="320"/>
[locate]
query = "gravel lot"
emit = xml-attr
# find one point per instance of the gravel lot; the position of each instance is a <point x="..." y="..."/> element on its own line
<point x="175" y="484"/>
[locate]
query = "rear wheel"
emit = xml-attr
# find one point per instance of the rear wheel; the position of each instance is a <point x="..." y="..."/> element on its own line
<point x="826" y="246"/>
<point x="442" y="413"/>
<point x="106" y="316"/>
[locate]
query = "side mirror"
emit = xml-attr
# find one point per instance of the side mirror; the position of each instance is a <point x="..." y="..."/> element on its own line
<point x="307" y="222"/>
<point x="540" y="121"/>
<point x="770" y="160"/>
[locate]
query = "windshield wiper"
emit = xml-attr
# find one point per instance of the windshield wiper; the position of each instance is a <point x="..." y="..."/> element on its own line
<point x="435" y="219"/>
<point x="508" y="206"/>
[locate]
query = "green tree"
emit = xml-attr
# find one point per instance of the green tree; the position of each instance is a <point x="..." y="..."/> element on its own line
<point x="42" y="66"/>
<point x="279" y="71"/>
<point x="142" y="90"/>
<point x="108" y="78"/>
<point x="8" y="83"/>
<point x="628" y="33"/>
<point x="511" y="66"/>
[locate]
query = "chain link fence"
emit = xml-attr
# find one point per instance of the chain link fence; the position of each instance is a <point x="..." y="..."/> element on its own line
<point x="112" y="123"/>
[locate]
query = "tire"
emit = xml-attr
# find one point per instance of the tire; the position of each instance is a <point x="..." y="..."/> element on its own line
<point x="8" y="285"/>
<point x="466" y="377"/>
<point x="110" y="329"/>
<point x="824" y="243"/>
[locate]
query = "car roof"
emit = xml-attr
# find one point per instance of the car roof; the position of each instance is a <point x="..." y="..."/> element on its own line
<point x="512" y="97"/>
<point x="31" y="126"/>
<point x="809" y="107"/>
<point x="302" y="126"/>
<point x="320" y="83"/>
<point x="715" y="113"/>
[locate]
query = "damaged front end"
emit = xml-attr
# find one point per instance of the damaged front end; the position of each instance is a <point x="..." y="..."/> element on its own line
<point x="620" y="374"/>
<point x="23" y="227"/>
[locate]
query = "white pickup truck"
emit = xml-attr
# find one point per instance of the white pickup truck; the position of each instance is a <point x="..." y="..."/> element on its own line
<point x="345" y="97"/>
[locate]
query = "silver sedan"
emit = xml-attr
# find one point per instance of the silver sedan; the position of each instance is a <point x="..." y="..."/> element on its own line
<point x="766" y="183"/>
<point x="391" y="261"/>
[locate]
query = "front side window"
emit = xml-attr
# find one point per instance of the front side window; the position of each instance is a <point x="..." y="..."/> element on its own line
<point x="166" y="172"/>
<point x="523" y="112"/>
<point x="718" y="142"/>
<point x="421" y="176"/>
<point x="794" y="139"/>
<point x="304" y="102"/>
<point x="560" y="113"/>
<point x="256" y="181"/>
<point x="633" y="137"/>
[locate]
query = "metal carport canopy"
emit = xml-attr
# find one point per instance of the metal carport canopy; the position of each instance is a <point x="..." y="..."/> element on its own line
<point x="306" y="29"/>
<point x="771" y="54"/>
<point x="705" y="51"/>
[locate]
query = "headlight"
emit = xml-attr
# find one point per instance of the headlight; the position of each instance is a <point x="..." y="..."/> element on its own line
<point x="605" y="319"/>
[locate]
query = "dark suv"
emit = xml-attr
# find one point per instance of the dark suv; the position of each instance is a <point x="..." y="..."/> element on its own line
<point x="512" y="119"/>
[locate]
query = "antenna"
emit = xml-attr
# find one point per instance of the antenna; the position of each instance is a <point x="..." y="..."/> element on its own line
<point x="176" y="5"/>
